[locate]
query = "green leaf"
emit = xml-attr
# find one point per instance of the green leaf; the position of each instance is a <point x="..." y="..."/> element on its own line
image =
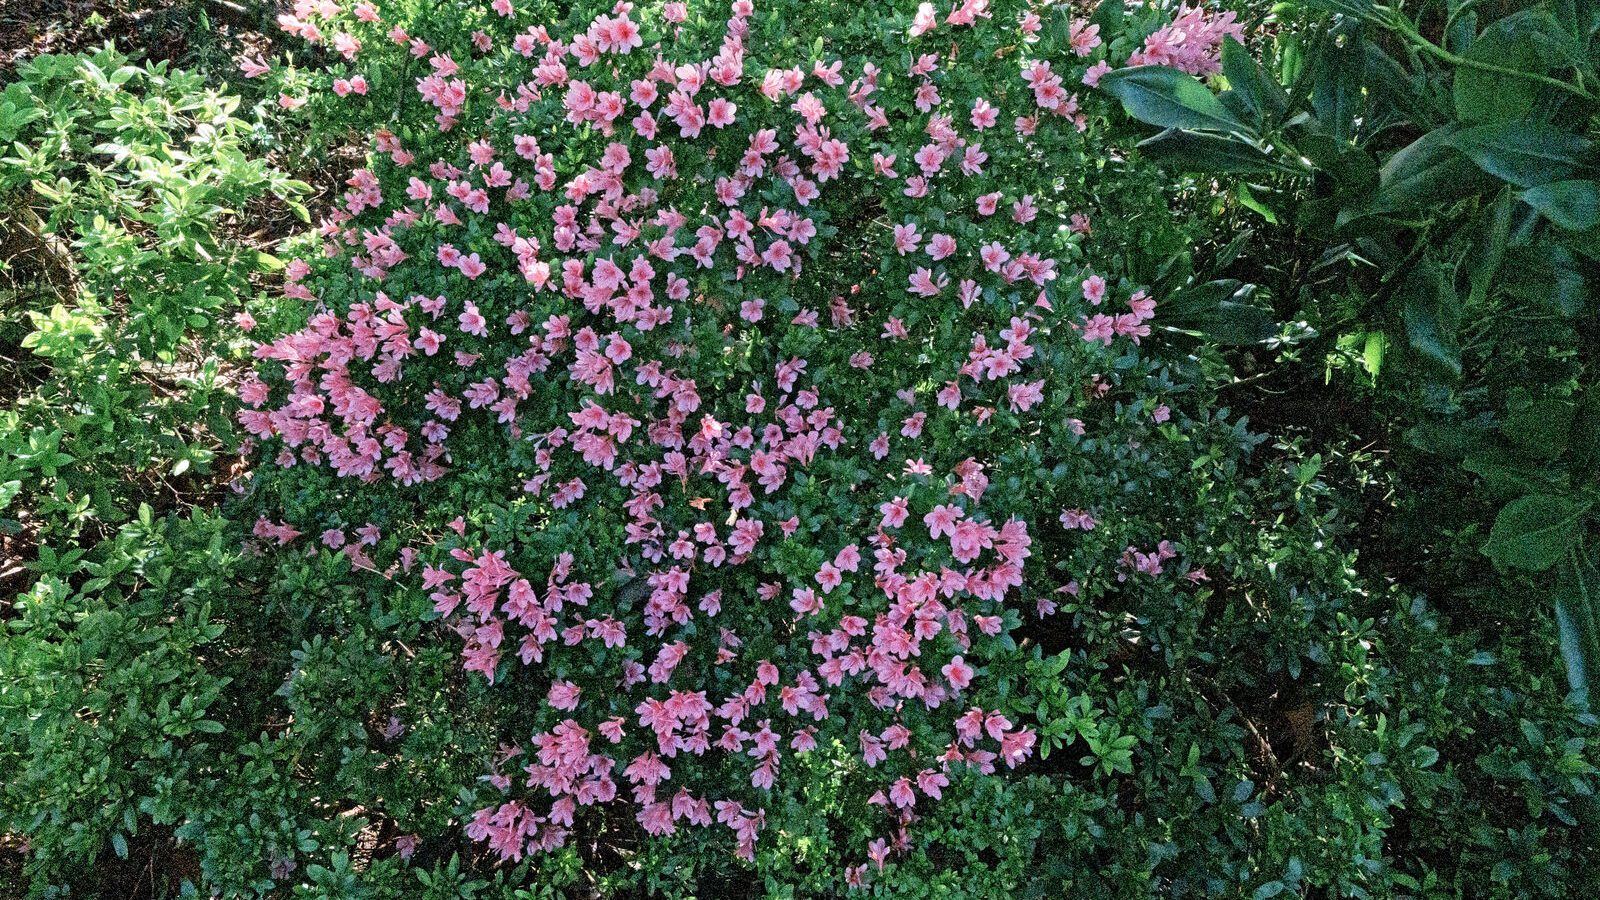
<point x="1540" y="428"/>
<point x="1372" y="352"/>
<point x="1577" y="597"/>
<point x="1224" y="311"/>
<point x="1584" y="442"/>
<point x="1524" y="153"/>
<point x="1426" y="173"/>
<point x="1336" y="88"/>
<point x="1359" y="9"/>
<point x="1431" y="312"/>
<point x="1534" y="532"/>
<point x="1559" y="286"/>
<point x="1199" y="151"/>
<point x="1520" y="41"/>
<point x="1508" y="475"/>
<point x="1394" y="93"/>
<point x="1490" y="247"/>
<point x="8" y="492"/>
<point x="1573" y="205"/>
<point x="1168" y="98"/>
<point x="1254" y="92"/>
<point x="1108" y="15"/>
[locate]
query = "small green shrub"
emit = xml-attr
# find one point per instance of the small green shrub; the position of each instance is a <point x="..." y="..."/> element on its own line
<point x="128" y="188"/>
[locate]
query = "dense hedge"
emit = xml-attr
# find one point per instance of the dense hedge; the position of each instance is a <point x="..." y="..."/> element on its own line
<point x="777" y="450"/>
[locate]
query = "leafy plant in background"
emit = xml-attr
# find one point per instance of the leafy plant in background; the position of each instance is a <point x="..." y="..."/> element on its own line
<point x="120" y="182"/>
<point x="124" y="267"/>
<point x="1441" y="169"/>
<point x="1283" y="722"/>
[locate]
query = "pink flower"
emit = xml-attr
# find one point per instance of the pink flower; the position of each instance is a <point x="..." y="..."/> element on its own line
<point x="941" y="520"/>
<point x="984" y="115"/>
<point x="906" y="238"/>
<point x="901" y="794"/>
<point x="924" y="285"/>
<point x="473" y="322"/>
<point x="958" y="673"/>
<point x="829" y="577"/>
<point x="1094" y="289"/>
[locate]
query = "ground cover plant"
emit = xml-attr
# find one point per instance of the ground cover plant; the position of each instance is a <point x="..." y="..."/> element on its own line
<point x="783" y="449"/>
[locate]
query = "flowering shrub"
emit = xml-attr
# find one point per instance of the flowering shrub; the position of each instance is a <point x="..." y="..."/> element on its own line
<point x="595" y="545"/>
<point x="778" y="360"/>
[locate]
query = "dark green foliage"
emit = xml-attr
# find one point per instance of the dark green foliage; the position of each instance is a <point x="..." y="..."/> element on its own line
<point x="1364" y="699"/>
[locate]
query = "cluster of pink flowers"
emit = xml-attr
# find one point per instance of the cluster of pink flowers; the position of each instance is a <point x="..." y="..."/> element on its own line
<point x="611" y="235"/>
<point x="1191" y="43"/>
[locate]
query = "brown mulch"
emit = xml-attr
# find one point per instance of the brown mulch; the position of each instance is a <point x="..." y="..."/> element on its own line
<point x="155" y="29"/>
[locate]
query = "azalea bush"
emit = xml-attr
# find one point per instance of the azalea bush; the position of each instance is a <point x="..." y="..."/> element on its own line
<point x="719" y="449"/>
<point x="716" y="386"/>
<point x="720" y="392"/>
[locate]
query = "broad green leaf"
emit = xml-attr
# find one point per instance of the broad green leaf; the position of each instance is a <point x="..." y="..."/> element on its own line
<point x="1431" y="312"/>
<point x="1559" y="285"/>
<point x="1252" y="90"/>
<point x="1168" y="98"/>
<point x="1336" y="90"/>
<point x="1507" y="475"/>
<point x="1577" y="596"/>
<point x="1520" y="41"/>
<point x="1393" y="94"/>
<point x="1573" y="205"/>
<point x="1490" y="246"/>
<point x="1524" y="153"/>
<point x="8" y="492"/>
<point x="1200" y="151"/>
<point x="1534" y="532"/>
<point x="1108" y="15"/>
<point x="1224" y="311"/>
<point x="1424" y="173"/>
<point x="1540" y="428"/>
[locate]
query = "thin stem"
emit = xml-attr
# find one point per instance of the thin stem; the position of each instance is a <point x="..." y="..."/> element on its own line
<point x="1400" y="23"/>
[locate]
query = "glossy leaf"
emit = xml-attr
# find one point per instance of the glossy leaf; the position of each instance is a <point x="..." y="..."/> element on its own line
<point x="1518" y="41"/>
<point x="1432" y="312"/>
<point x="1199" y="151"/>
<point x="1524" y="153"/>
<point x="1168" y="98"/>
<point x="1426" y="172"/>
<point x="1577" y="601"/>
<point x="1573" y="205"/>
